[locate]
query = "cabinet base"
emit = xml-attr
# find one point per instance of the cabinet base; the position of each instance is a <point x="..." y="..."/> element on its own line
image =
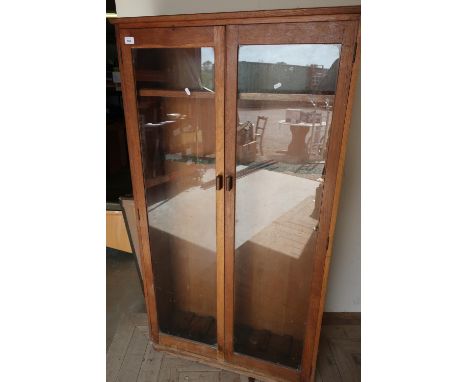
<point x="222" y="364"/>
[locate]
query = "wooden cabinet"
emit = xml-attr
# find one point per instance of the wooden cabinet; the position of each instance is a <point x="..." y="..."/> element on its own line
<point x="237" y="126"/>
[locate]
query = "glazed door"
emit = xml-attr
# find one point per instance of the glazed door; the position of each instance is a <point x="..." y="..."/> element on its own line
<point x="176" y="134"/>
<point x="287" y="86"/>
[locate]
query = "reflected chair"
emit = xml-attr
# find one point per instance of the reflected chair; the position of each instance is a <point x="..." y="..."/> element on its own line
<point x="315" y="143"/>
<point x="260" y="131"/>
<point x="246" y="144"/>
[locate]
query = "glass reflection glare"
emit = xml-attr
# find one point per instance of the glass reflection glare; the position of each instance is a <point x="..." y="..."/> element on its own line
<point x="177" y="128"/>
<point x="285" y="107"/>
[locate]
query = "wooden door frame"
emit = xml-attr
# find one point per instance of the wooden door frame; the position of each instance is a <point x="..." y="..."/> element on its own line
<point x="323" y="270"/>
<point x="185" y="37"/>
<point x="339" y="32"/>
<point x="243" y="17"/>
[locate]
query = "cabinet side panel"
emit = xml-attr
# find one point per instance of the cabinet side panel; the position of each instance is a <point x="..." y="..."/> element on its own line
<point x="336" y="200"/>
<point x="332" y="184"/>
<point x="133" y="139"/>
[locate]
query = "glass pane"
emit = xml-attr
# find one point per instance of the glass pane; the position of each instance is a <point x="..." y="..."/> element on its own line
<point x="285" y="105"/>
<point x="176" y="110"/>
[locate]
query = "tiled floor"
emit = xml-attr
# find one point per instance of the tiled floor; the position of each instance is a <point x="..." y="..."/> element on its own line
<point x="131" y="358"/>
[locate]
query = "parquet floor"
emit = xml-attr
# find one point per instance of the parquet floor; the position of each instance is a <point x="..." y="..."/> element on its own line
<point x="131" y="358"/>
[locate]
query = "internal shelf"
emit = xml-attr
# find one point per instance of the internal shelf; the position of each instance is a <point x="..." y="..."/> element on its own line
<point x="286" y="97"/>
<point x="175" y="93"/>
<point x="146" y="92"/>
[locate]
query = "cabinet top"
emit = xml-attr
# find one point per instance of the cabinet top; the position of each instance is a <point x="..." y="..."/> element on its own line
<point x="243" y="17"/>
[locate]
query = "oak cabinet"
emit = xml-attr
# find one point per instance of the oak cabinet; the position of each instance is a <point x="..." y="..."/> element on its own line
<point x="236" y="126"/>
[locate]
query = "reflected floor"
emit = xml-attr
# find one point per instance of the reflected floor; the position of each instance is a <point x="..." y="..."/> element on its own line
<point x="271" y="188"/>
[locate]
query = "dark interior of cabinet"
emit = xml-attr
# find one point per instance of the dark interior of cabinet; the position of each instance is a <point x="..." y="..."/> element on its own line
<point x="118" y="179"/>
<point x="173" y="68"/>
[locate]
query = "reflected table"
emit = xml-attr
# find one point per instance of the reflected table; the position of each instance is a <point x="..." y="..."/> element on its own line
<point x="297" y="148"/>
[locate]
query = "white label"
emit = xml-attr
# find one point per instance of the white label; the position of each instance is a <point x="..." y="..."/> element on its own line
<point x="187" y="91"/>
<point x="129" y="40"/>
<point x="276" y="86"/>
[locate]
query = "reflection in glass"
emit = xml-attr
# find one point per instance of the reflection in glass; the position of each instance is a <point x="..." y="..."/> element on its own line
<point x="177" y="127"/>
<point x="285" y="104"/>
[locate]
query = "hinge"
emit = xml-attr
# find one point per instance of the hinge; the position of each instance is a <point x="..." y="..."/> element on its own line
<point x="138" y="214"/>
<point x="355" y="50"/>
<point x="328" y="242"/>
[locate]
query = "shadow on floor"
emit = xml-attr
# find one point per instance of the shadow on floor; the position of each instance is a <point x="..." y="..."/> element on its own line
<point x="123" y="290"/>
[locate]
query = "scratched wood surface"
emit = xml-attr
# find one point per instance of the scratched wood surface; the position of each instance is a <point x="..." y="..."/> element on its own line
<point x="132" y="358"/>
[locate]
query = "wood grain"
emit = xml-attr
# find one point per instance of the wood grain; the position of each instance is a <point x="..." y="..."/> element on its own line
<point x="242" y="21"/>
<point x="188" y="346"/>
<point x="295" y="33"/>
<point x="236" y="368"/>
<point x="286" y="97"/>
<point x="183" y="37"/>
<point x="275" y="371"/>
<point x="220" y="53"/>
<point x="138" y="186"/>
<point x="174" y="93"/>
<point x="230" y="158"/>
<point x="330" y="200"/>
<point x="245" y="17"/>
<point x="340" y="171"/>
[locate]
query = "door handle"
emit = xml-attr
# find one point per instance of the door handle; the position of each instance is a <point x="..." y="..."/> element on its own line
<point x="229" y="182"/>
<point x="219" y="182"/>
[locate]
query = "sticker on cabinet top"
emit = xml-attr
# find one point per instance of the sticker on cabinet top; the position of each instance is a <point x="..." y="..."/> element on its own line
<point x="129" y="40"/>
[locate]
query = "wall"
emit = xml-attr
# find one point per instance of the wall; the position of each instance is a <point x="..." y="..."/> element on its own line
<point x="129" y="8"/>
<point x="344" y="283"/>
<point x="344" y="288"/>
